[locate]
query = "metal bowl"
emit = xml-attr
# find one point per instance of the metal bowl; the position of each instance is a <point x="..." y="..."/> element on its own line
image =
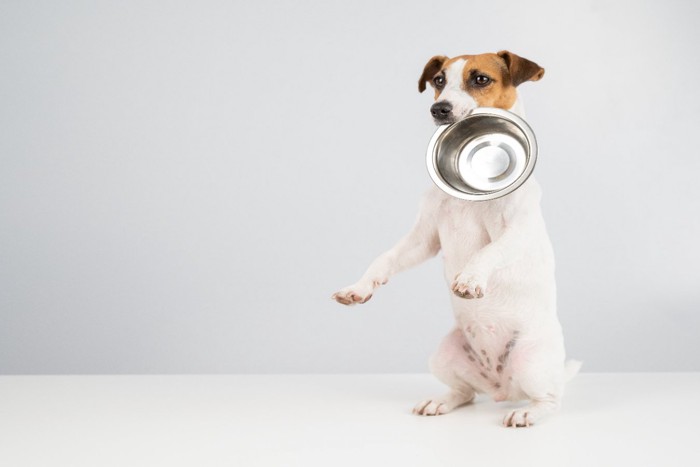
<point x="486" y="155"/>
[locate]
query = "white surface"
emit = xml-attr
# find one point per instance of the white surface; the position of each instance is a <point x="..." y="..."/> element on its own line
<point x="607" y="420"/>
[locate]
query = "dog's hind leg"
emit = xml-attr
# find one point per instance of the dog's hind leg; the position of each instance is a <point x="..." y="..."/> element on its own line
<point x="448" y="364"/>
<point x="541" y="380"/>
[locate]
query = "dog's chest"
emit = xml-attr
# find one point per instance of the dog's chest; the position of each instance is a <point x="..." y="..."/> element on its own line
<point x="466" y="226"/>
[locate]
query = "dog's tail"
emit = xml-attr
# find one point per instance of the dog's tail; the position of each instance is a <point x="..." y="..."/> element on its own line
<point x="571" y="368"/>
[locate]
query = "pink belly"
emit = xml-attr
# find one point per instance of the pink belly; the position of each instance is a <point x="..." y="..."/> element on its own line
<point x="490" y="356"/>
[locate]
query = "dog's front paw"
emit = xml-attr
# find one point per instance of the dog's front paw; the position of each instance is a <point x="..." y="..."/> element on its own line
<point x="353" y="294"/>
<point x="468" y="285"/>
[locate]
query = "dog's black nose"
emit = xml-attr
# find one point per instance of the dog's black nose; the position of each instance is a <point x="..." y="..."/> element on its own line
<point x="441" y="110"/>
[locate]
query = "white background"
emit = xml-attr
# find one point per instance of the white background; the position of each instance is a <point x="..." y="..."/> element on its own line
<point x="183" y="185"/>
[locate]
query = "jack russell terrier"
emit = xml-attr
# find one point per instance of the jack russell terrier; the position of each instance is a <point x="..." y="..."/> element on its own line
<point x="499" y="263"/>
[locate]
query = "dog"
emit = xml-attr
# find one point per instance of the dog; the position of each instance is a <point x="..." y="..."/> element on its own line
<point x="498" y="261"/>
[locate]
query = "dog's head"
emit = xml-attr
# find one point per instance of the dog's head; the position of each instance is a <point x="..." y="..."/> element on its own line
<point x="469" y="81"/>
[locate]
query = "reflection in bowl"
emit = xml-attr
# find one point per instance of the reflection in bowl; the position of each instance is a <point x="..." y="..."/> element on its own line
<point x="488" y="154"/>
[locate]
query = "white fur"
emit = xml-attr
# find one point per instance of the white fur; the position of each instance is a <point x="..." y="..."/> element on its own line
<point x="454" y="93"/>
<point x="499" y="264"/>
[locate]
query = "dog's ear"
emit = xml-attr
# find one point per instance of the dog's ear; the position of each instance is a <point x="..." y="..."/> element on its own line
<point x="431" y="68"/>
<point x="521" y="69"/>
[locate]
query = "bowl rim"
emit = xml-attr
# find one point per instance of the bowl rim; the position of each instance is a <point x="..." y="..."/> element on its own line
<point x="487" y="195"/>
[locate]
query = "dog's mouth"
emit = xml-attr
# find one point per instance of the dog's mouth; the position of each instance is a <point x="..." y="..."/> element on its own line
<point x="450" y="118"/>
<point x="445" y="121"/>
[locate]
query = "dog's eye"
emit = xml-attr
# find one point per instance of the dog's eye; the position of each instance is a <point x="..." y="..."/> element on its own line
<point x="439" y="81"/>
<point x="482" y="80"/>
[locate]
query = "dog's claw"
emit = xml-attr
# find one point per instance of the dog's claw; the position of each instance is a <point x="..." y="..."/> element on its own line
<point x="468" y="286"/>
<point x="517" y="419"/>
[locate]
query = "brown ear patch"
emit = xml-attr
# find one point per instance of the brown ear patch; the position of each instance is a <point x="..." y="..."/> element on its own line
<point x="521" y="69"/>
<point x="499" y="93"/>
<point x="431" y="68"/>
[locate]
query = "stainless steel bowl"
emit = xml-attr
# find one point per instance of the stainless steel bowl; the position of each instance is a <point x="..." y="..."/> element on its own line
<point x="486" y="155"/>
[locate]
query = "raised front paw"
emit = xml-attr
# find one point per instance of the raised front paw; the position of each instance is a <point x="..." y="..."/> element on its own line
<point x="468" y="285"/>
<point x="353" y="294"/>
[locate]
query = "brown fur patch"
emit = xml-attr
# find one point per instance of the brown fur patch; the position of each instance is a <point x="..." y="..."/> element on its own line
<point x="431" y="68"/>
<point x="521" y="69"/>
<point x="499" y="93"/>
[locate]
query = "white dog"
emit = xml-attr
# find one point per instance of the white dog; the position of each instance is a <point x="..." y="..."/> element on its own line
<point x="499" y="263"/>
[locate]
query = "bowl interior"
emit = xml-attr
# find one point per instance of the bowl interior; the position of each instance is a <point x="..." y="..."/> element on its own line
<point x="481" y="154"/>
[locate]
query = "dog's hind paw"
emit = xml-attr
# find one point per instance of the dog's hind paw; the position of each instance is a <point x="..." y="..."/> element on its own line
<point x="534" y="412"/>
<point x="442" y="405"/>
<point x="518" y="419"/>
